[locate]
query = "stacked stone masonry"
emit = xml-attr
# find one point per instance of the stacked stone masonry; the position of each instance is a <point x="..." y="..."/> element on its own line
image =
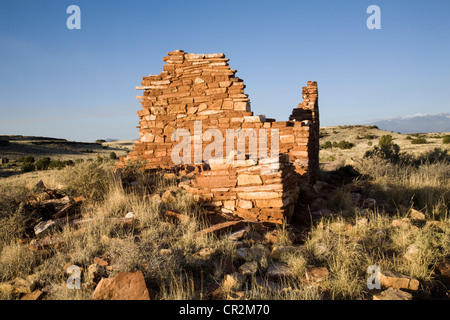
<point x="201" y="89"/>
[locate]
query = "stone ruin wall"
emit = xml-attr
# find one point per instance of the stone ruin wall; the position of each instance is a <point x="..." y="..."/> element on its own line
<point x="202" y="87"/>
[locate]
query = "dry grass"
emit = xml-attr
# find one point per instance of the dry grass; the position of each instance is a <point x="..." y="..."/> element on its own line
<point x="178" y="265"/>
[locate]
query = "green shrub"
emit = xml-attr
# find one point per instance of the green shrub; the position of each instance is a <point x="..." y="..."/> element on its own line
<point x="27" y="159"/>
<point x="370" y="136"/>
<point x="42" y="164"/>
<point x="113" y="156"/>
<point x="327" y="145"/>
<point x="386" y="149"/>
<point x="446" y="139"/>
<point x="345" y="145"/>
<point x="419" y="141"/>
<point x="408" y="138"/>
<point x="27" y="167"/>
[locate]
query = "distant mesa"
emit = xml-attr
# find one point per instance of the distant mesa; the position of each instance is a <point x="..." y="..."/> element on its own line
<point x="416" y="123"/>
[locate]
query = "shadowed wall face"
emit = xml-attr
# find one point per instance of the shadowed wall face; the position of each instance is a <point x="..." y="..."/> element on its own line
<point x="196" y="110"/>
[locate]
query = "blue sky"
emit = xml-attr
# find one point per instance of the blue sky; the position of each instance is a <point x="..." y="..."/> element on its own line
<point x="80" y="84"/>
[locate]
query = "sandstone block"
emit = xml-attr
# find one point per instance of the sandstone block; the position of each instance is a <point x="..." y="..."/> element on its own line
<point x="124" y="286"/>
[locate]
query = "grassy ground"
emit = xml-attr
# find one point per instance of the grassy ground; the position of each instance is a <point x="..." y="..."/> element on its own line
<point x="179" y="265"/>
<point x="365" y="138"/>
<point x="15" y="148"/>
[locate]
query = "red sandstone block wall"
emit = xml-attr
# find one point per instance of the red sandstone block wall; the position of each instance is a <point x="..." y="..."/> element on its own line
<point x="202" y="87"/>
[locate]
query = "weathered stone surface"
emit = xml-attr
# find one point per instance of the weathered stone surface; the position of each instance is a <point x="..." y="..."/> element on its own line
<point x="221" y="228"/>
<point x="258" y="251"/>
<point x="278" y="271"/>
<point x="389" y="279"/>
<point x="242" y="253"/>
<point x="393" y="294"/>
<point x="316" y="274"/>
<point x="416" y="215"/>
<point x="234" y="281"/>
<point x="249" y="268"/>
<point x="278" y="251"/>
<point x="168" y="197"/>
<point x="247" y="179"/>
<point x="239" y="234"/>
<point x="100" y="262"/>
<point x="124" y="286"/>
<point x="35" y="295"/>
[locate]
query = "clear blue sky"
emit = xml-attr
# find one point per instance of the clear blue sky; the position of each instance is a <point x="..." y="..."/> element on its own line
<point x="80" y="84"/>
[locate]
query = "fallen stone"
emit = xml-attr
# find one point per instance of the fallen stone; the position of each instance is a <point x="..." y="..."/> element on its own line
<point x="258" y="251"/>
<point x="168" y="197"/>
<point x="124" y="286"/>
<point x="249" y="268"/>
<point x="45" y="227"/>
<point x="238" y="235"/>
<point x="100" y="262"/>
<point x="389" y="279"/>
<point x="221" y="228"/>
<point x="278" y="251"/>
<point x="242" y="253"/>
<point x="35" y="295"/>
<point x="416" y="215"/>
<point x="176" y="216"/>
<point x="278" y="270"/>
<point x="316" y="274"/>
<point x="393" y="294"/>
<point x="234" y="281"/>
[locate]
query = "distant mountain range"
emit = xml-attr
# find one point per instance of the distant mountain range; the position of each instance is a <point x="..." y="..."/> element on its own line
<point x="416" y="123"/>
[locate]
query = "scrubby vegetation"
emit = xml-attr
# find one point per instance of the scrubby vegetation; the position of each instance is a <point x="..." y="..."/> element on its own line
<point x="177" y="264"/>
<point x="389" y="209"/>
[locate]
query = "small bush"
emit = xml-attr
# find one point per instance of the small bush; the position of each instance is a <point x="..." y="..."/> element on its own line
<point x="42" y="164"/>
<point x="370" y="136"/>
<point x="345" y="145"/>
<point x="27" y="167"/>
<point x="386" y="149"/>
<point x="419" y="141"/>
<point x="408" y="138"/>
<point x="327" y="145"/>
<point x="446" y="139"/>
<point x="27" y="159"/>
<point x="113" y="156"/>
